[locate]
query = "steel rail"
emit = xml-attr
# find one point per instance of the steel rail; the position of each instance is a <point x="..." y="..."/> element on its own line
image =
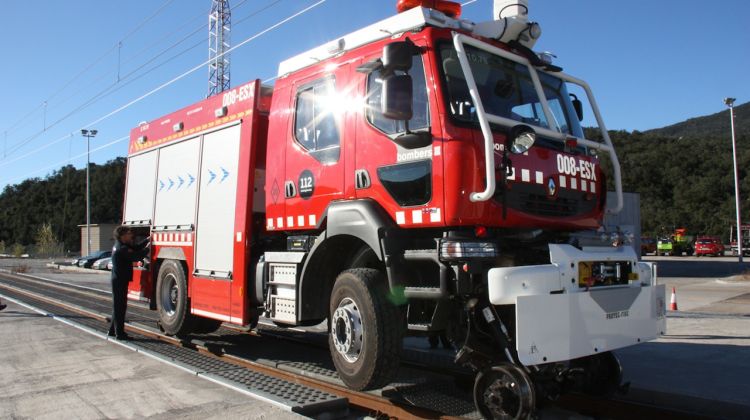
<point x="362" y="401"/>
<point x="613" y="408"/>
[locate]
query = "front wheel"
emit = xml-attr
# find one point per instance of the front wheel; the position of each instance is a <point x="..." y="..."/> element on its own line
<point x="365" y="330"/>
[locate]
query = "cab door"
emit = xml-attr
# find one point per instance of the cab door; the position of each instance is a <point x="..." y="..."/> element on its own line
<point x="315" y="157"/>
<point x="406" y="179"/>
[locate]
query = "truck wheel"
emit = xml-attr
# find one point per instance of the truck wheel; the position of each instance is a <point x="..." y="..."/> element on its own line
<point x="171" y="298"/>
<point x="365" y="330"/>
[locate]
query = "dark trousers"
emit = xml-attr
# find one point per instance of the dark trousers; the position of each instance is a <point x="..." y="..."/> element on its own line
<point x="119" y="306"/>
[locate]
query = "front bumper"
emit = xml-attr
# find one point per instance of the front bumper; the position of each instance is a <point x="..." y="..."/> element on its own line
<point x="557" y="321"/>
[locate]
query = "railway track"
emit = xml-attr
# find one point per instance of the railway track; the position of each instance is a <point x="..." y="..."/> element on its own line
<point x="293" y="362"/>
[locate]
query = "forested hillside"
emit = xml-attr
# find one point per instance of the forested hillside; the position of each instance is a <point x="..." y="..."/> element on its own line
<point x="683" y="173"/>
<point x="60" y="200"/>
<point x="684" y="181"/>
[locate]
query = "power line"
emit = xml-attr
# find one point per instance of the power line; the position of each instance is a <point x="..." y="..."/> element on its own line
<point x="192" y="70"/>
<point x="109" y="89"/>
<point x="173" y="80"/>
<point x="92" y="64"/>
<point x="63" y="162"/>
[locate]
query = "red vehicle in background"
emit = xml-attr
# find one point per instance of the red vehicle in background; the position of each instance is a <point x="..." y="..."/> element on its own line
<point x="709" y="245"/>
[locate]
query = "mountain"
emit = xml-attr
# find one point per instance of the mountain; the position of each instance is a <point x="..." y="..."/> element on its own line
<point x="710" y="125"/>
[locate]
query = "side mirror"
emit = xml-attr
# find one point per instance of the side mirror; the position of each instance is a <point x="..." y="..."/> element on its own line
<point x="397" y="56"/>
<point x="396" y="98"/>
<point x="578" y="106"/>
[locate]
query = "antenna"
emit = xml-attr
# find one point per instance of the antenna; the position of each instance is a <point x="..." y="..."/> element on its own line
<point x="219" y="23"/>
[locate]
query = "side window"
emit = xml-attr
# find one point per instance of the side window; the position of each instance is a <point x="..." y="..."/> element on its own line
<point x="315" y="127"/>
<point x="421" y="118"/>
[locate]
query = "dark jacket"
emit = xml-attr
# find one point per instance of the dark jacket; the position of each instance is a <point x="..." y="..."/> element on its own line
<point x="123" y="257"/>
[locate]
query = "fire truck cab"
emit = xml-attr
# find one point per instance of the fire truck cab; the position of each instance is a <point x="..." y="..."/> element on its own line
<point x="423" y="175"/>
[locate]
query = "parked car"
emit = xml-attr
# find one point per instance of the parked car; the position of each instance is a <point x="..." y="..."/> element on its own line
<point x="709" y="245"/>
<point x="101" y="264"/>
<point x="89" y="260"/>
<point x="109" y="264"/>
<point x="648" y="246"/>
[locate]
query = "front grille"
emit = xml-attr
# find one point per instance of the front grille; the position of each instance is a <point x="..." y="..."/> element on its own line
<point x="541" y="205"/>
<point x="533" y="199"/>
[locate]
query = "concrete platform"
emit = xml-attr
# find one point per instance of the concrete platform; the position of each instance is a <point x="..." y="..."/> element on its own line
<point x="51" y="371"/>
<point x="702" y="364"/>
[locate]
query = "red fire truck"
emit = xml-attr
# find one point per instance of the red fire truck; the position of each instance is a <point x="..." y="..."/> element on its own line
<point x="423" y="175"/>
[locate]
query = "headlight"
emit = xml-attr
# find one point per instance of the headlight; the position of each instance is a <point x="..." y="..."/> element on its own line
<point x="459" y="250"/>
<point x="521" y="138"/>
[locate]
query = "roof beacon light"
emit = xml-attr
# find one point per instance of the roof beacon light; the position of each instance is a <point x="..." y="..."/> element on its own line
<point x="449" y="8"/>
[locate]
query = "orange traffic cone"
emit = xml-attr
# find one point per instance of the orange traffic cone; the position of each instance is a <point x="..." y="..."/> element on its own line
<point x="673" y="302"/>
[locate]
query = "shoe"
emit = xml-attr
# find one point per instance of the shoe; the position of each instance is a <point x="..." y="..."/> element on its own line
<point x="110" y="333"/>
<point x="3" y="306"/>
<point x="122" y="337"/>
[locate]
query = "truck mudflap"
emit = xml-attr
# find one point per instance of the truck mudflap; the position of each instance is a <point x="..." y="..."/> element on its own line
<point x="557" y="320"/>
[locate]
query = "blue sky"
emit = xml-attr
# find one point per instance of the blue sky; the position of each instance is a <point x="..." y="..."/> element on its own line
<point x="650" y="63"/>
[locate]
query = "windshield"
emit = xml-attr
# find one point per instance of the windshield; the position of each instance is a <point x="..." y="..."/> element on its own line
<point x="506" y="90"/>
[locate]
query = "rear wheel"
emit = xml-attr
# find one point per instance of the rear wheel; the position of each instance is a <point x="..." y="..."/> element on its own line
<point x="365" y="330"/>
<point x="171" y="299"/>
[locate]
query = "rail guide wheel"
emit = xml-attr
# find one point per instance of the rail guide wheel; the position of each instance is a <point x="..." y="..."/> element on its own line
<point x="504" y="392"/>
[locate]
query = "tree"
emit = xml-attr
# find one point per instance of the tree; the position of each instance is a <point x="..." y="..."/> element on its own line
<point x="46" y="241"/>
<point x="17" y="250"/>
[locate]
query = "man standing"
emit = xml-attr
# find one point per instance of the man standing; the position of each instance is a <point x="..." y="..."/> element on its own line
<point x="124" y="254"/>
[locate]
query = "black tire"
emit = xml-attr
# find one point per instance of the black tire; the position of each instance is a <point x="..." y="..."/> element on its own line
<point x="171" y="299"/>
<point x="376" y="361"/>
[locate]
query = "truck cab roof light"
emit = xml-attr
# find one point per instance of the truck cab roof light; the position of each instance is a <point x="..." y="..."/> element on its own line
<point x="221" y="112"/>
<point x="449" y="8"/>
<point x="178" y="127"/>
<point x="142" y="139"/>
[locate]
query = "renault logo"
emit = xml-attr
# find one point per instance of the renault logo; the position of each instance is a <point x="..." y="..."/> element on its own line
<point x="551" y="187"/>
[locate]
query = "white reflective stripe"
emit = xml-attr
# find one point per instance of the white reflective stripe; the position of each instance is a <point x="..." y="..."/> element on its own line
<point x="213" y="315"/>
<point x="573" y="184"/>
<point x="525" y="176"/>
<point x="400" y="217"/>
<point x="435" y="216"/>
<point x="436" y="152"/>
<point x="512" y="174"/>
<point x="312" y="220"/>
<point x="300" y="221"/>
<point x="593" y="187"/>
<point x="290" y="221"/>
<point x="584" y="186"/>
<point x="563" y="181"/>
<point x="539" y="177"/>
<point x="239" y="236"/>
<point x="416" y="216"/>
<point x="279" y="222"/>
<point x="269" y="223"/>
<point x="190" y="237"/>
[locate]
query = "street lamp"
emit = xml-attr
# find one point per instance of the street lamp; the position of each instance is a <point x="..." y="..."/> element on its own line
<point x="88" y="134"/>
<point x="730" y="103"/>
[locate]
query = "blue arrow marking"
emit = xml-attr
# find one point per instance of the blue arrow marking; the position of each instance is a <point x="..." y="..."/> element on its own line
<point x="171" y="184"/>
<point x="192" y="179"/>
<point x="213" y="176"/>
<point x="161" y="185"/>
<point x="182" y="181"/>
<point x="226" y="174"/>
